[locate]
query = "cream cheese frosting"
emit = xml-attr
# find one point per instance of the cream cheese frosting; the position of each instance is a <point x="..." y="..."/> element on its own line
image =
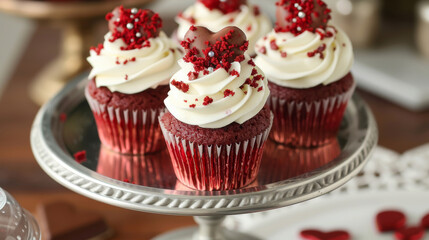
<point x="253" y="25"/>
<point x="133" y="71"/>
<point x="306" y="60"/>
<point x="219" y="98"/>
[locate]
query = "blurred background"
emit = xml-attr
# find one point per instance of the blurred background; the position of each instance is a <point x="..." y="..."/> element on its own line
<point x="43" y="45"/>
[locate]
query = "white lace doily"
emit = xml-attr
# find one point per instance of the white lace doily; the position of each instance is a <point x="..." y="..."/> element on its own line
<point x="386" y="172"/>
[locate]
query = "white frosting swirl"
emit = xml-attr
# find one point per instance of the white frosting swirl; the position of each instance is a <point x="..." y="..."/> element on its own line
<point x="133" y="71"/>
<point x="253" y="26"/>
<point x="243" y="105"/>
<point x="297" y="69"/>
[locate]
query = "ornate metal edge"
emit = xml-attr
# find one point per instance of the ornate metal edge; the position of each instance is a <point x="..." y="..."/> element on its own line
<point x="153" y="200"/>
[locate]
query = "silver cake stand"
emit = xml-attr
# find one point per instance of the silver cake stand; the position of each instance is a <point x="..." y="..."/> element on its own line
<point x="65" y="126"/>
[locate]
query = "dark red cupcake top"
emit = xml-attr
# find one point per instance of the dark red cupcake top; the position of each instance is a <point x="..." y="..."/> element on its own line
<point x="297" y="16"/>
<point x="134" y="26"/>
<point x="225" y="6"/>
<point x="209" y="51"/>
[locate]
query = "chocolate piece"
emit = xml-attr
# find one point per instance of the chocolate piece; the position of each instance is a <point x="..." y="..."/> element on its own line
<point x="214" y="49"/>
<point x="61" y="221"/>
<point x="134" y="26"/>
<point x="224" y="6"/>
<point x="297" y="16"/>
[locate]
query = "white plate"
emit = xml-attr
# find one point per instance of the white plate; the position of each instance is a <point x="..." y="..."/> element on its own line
<point x="354" y="213"/>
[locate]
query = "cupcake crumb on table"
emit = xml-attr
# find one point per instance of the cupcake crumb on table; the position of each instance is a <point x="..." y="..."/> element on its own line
<point x="307" y="61"/>
<point x="129" y="80"/>
<point x="217" y="123"/>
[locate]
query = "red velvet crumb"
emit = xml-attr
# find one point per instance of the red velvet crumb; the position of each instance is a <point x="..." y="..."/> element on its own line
<point x="180" y="85"/>
<point x="274" y="45"/>
<point x="63" y="117"/>
<point x="207" y="100"/>
<point x="80" y="157"/>
<point x="98" y="48"/>
<point x="228" y="93"/>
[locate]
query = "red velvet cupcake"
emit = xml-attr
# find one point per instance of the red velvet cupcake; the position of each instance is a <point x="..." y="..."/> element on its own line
<point x="307" y="62"/>
<point x="129" y="81"/>
<point x="217" y="125"/>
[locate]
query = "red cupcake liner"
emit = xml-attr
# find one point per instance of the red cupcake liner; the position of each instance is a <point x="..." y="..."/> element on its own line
<point x="308" y="124"/>
<point x="150" y="170"/>
<point x="127" y="131"/>
<point x="216" y="167"/>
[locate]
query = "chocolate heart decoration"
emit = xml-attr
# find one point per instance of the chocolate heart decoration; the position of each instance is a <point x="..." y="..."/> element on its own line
<point x="205" y="48"/>
<point x="226" y="6"/>
<point x="390" y="220"/>
<point x="410" y="233"/>
<point x="297" y="16"/>
<point x="62" y="221"/>
<point x="312" y="234"/>
<point x="425" y="221"/>
<point x="134" y="26"/>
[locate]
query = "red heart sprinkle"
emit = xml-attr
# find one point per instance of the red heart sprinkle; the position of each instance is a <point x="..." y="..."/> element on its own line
<point x="425" y="221"/>
<point x="390" y="220"/>
<point x="410" y="233"/>
<point x="312" y="234"/>
<point x="297" y="16"/>
<point x="224" y="6"/>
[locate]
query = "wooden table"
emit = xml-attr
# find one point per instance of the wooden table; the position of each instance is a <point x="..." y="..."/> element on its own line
<point x="20" y="175"/>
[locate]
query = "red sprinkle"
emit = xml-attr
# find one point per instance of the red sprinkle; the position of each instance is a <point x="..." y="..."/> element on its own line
<point x="180" y="85"/>
<point x="283" y="54"/>
<point x="207" y="100"/>
<point x="256" y="10"/>
<point x="192" y="75"/>
<point x="260" y="89"/>
<point x="263" y="50"/>
<point x="192" y="106"/>
<point x="254" y="71"/>
<point x="63" y="117"/>
<point x="126" y="77"/>
<point x="249" y="28"/>
<point x="192" y="28"/>
<point x="319" y="51"/>
<point x="274" y="45"/>
<point x="228" y="92"/>
<point x="80" y="157"/>
<point x="234" y="73"/>
<point x="251" y="63"/>
<point x="98" y="48"/>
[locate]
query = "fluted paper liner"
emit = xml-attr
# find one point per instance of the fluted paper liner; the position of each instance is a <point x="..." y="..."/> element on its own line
<point x="127" y="131"/>
<point x="308" y="124"/>
<point x="216" y="167"/>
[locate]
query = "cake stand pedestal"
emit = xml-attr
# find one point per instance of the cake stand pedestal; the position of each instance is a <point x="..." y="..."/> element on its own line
<point x="147" y="182"/>
<point x="77" y="21"/>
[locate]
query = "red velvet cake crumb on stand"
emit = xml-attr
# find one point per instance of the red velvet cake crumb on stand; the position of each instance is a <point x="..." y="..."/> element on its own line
<point x="309" y="117"/>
